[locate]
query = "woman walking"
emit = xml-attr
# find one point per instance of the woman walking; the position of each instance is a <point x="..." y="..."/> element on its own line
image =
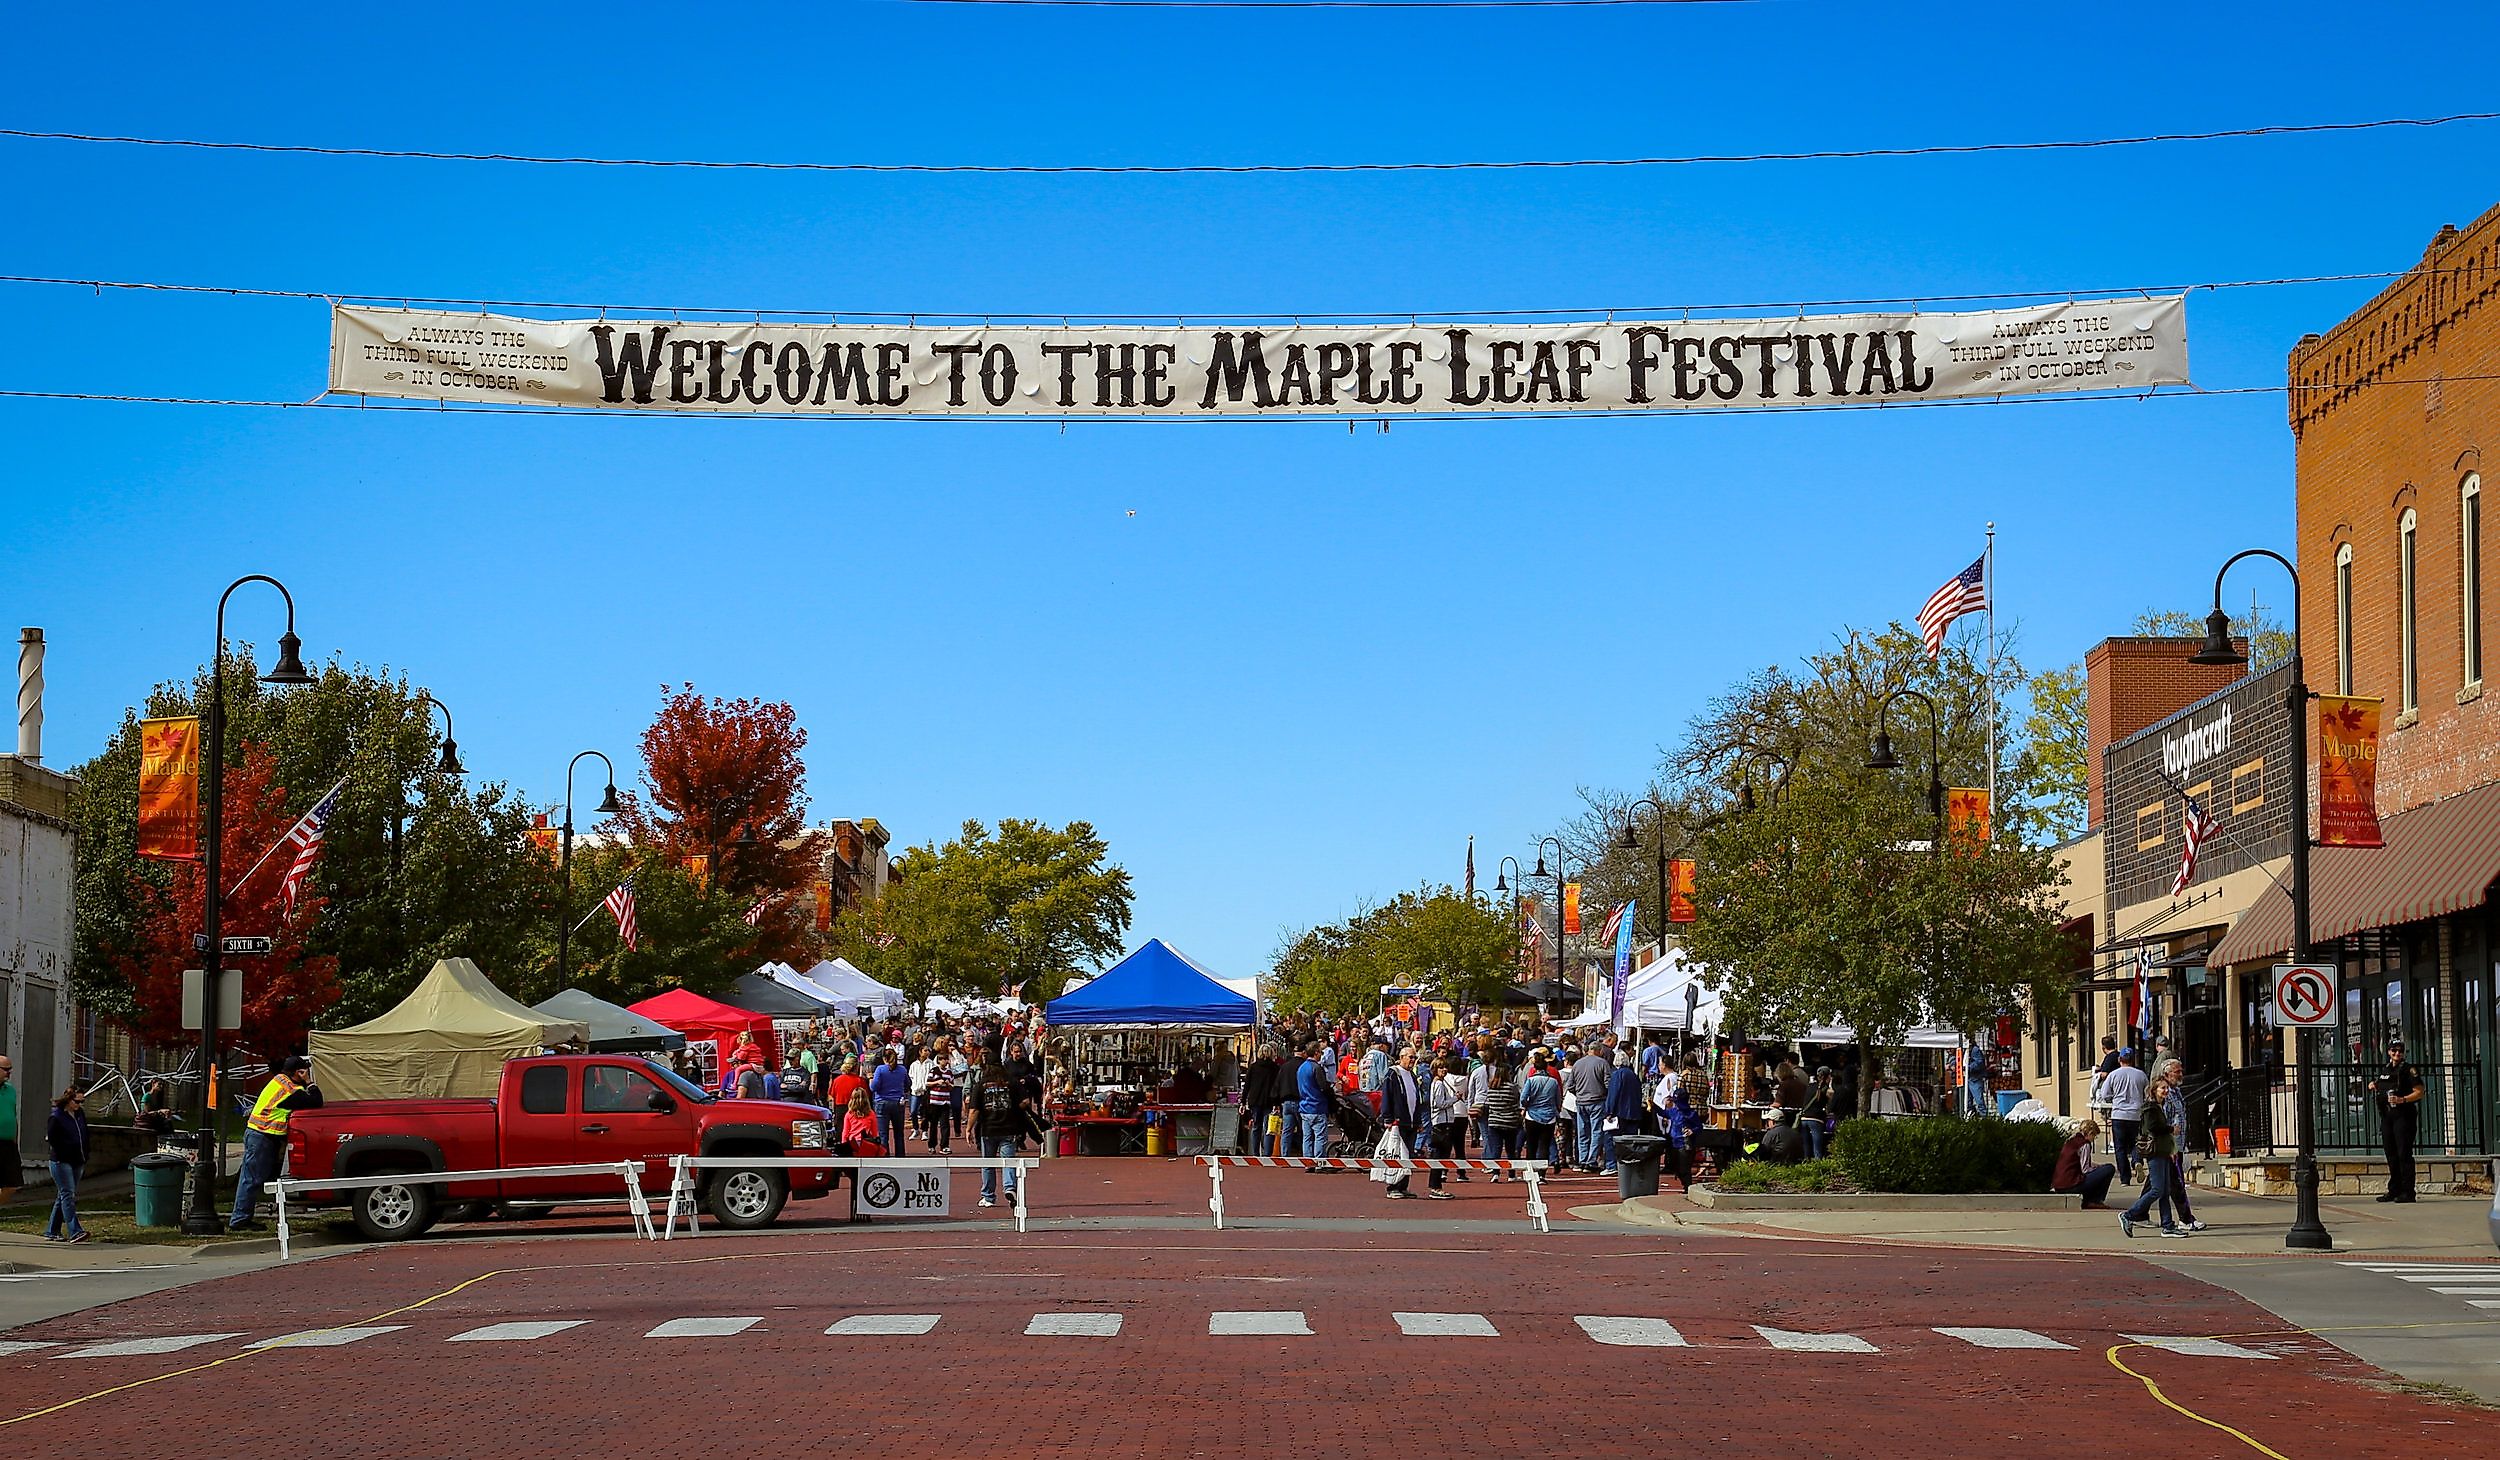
<point x="65" y="1133"/>
<point x="1449" y="1112"/>
<point x="1502" y="1115"/>
<point x="1540" y="1108"/>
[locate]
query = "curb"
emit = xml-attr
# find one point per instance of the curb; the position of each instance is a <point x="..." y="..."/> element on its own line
<point x="1797" y="1201"/>
<point x="1626" y="1214"/>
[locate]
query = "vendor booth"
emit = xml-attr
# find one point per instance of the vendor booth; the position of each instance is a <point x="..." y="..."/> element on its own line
<point x="613" y="1028"/>
<point x="853" y="992"/>
<point x="712" y="1028"/>
<point x="790" y="1010"/>
<point x="1155" y="1049"/>
<point x="448" y="1038"/>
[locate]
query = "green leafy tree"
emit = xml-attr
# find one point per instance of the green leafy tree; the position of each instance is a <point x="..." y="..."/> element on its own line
<point x="414" y="865"/>
<point x="1028" y="906"/>
<point x="1455" y="949"/>
<point x="1831" y="905"/>
<point x="690" y="936"/>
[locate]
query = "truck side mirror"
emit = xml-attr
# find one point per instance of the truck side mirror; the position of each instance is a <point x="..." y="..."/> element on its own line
<point x="660" y="1102"/>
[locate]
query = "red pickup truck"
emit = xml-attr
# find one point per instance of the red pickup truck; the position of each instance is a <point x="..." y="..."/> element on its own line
<point x="554" y="1110"/>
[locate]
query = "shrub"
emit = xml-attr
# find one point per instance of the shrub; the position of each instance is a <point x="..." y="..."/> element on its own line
<point x="1824" y="1175"/>
<point x="1948" y="1154"/>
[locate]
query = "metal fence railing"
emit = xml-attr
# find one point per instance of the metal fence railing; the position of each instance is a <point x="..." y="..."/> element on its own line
<point x="2257" y="1108"/>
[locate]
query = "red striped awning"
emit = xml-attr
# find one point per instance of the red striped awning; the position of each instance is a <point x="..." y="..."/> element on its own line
<point x="2439" y="858"/>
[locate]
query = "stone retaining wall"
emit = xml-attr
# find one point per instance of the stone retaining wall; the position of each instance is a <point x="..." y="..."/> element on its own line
<point x="2347" y="1175"/>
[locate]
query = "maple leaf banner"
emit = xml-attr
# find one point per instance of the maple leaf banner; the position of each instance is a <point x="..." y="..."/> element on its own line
<point x="169" y="788"/>
<point x="2348" y="771"/>
<point x="1966" y="819"/>
<point x="1285" y="368"/>
<point x="1680" y="896"/>
<point x="1571" y="907"/>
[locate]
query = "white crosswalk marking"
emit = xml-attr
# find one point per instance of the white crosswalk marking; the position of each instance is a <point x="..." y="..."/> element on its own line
<point x="326" y="1337"/>
<point x="702" y="1327"/>
<point x="22" y="1345"/>
<point x="2004" y="1338"/>
<point x="2485" y="1291"/>
<point x="1632" y="1332"/>
<point x="515" y="1332"/>
<point x="2207" y="1348"/>
<point x="2482" y="1303"/>
<point x="171" y="1343"/>
<point x="2435" y="1277"/>
<point x="1286" y="1322"/>
<point x="1446" y="1325"/>
<point x="1814" y="1343"/>
<point x="885" y="1325"/>
<point x="1074" y="1325"/>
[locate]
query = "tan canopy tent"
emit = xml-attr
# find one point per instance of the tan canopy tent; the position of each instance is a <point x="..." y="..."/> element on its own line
<point x="449" y="1037"/>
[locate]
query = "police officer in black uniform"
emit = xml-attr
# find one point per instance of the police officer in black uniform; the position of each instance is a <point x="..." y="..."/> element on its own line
<point x="2398" y="1094"/>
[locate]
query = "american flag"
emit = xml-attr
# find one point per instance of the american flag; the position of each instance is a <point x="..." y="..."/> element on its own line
<point x="1964" y="592"/>
<point x="621" y="903"/>
<point x="1531" y="924"/>
<point x="2198" y="826"/>
<point x="1614" y="922"/>
<point x="755" y="914"/>
<point x="306" y="839"/>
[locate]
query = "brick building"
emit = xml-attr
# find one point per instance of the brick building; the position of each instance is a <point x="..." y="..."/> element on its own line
<point x="2393" y="413"/>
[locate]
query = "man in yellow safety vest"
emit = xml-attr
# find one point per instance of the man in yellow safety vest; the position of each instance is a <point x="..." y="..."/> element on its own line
<point x="264" y="1136"/>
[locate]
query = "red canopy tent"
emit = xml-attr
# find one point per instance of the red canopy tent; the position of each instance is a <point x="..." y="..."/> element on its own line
<point x="699" y="1018"/>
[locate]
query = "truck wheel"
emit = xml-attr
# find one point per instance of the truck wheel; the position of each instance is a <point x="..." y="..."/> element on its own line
<point x="390" y="1213"/>
<point x="744" y="1197"/>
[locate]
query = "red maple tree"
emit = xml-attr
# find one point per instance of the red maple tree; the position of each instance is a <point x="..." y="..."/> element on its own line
<point x="283" y="990"/>
<point x="724" y="782"/>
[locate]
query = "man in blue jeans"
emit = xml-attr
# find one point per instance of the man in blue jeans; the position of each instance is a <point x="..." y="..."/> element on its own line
<point x="890" y="1089"/>
<point x="1310" y="1084"/>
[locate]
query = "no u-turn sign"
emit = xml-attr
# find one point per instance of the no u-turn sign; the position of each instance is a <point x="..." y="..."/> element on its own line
<point x="2304" y="995"/>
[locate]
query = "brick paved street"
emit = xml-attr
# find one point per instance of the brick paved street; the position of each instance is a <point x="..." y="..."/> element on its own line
<point x="1155" y="1342"/>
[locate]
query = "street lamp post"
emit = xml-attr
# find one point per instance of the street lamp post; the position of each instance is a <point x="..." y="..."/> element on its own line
<point x="1502" y="880"/>
<point x="2307" y="1229"/>
<point x="1744" y="769"/>
<point x="446" y="764"/>
<point x="199" y="1218"/>
<point x="564" y="858"/>
<point x="1632" y="843"/>
<point x="1879" y="756"/>
<point x="1559" y="981"/>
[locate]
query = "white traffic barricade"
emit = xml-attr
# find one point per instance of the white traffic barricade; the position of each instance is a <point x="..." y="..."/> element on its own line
<point x="1531" y="1172"/>
<point x="629" y="1171"/>
<point x="682" y="1194"/>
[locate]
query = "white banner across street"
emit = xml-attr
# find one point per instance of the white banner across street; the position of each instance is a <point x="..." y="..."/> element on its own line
<point x="1799" y="361"/>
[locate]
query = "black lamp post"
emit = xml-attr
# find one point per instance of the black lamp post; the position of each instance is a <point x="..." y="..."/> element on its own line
<point x="199" y="1218"/>
<point x="1879" y="756"/>
<point x="564" y="858"/>
<point x="446" y="764"/>
<point x="1632" y="843"/>
<point x="1558" y="901"/>
<point x="1744" y="769"/>
<point x="2307" y="1230"/>
<point x="1502" y="884"/>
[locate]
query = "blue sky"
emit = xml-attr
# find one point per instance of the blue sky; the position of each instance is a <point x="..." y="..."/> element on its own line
<point x="1312" y="662"/>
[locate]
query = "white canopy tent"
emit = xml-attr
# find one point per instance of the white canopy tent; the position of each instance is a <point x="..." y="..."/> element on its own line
<point x="850" y="988"/>
<point x="1656" y="998"/>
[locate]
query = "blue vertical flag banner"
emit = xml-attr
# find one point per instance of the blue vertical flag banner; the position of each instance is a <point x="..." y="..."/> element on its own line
<point x="1623" y="960"/>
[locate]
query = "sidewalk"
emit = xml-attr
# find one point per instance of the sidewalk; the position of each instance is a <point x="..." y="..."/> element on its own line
<point x="2450" y="1229"/>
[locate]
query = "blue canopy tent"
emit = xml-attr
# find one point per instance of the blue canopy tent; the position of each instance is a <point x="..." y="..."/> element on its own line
<point x="1155" y="988"/>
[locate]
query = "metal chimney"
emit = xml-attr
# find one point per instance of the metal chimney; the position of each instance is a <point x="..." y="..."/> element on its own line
<point x="30" y="696"/>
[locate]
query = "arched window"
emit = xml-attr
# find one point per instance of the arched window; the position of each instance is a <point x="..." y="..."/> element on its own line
<point x="2343" y="619"/>
<point x="2470" y="574"/>
<point x="2408" y="665"/>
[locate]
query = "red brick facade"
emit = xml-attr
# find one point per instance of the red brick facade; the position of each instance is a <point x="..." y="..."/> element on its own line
<point x="2132" y="683"/>
<point x="2395" y="410"/>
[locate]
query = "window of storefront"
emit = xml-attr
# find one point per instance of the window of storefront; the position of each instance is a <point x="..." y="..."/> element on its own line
<point x="2408" y="665"/>
<point x="2261" y="1044"/>
<point x="2343" y="619"/>
<point x="2470" y="574"/>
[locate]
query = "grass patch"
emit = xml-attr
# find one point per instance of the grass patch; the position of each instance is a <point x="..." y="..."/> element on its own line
<point x="1804" y="1176"/>
<point x="110" y="1218"/>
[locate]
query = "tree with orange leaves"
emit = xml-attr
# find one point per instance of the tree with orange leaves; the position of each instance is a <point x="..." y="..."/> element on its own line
<point x="725" y="798"/>
<point x="283" y="990"/>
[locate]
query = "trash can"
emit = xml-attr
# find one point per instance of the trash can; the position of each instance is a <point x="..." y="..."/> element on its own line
<point x="1636" y="1165"/>
<point x="156" y="1189"/>
<point x="2008" y="1099"/>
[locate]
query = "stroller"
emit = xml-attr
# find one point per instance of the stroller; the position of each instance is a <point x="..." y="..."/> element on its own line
<point x="1359" y="1127"/>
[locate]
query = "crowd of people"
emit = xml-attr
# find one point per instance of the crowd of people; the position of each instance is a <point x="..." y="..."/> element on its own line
<point x="885" y="1082"/>
<point x="1516" y="1092"/>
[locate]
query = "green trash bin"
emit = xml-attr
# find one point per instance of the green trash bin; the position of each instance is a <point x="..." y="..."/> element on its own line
<point x="156" y="1189"/>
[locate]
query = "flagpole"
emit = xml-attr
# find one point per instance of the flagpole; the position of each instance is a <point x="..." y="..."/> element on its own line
<point x="1990" y="574"/>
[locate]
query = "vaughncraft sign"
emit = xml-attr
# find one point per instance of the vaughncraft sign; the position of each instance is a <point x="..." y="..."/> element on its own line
<point x="1282" y="370"/>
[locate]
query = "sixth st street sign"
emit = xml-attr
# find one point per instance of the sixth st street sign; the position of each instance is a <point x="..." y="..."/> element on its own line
<point x="232" y="947"/>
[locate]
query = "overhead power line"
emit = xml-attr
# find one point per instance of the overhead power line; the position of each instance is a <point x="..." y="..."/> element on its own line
<point x="993" y="317"/>
<point x="1248" y="168"/>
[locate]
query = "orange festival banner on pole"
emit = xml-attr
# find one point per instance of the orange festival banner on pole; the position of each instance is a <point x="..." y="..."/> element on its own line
<point x="823" y="893"/>
<point x="2348" y="771"/>
<point x="1571" y="907"/>
<point x="169" y="788"/>
<point x="545" y="838"/>
<point x="1680" y="890"/>
<point x="1966" y="822"/>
